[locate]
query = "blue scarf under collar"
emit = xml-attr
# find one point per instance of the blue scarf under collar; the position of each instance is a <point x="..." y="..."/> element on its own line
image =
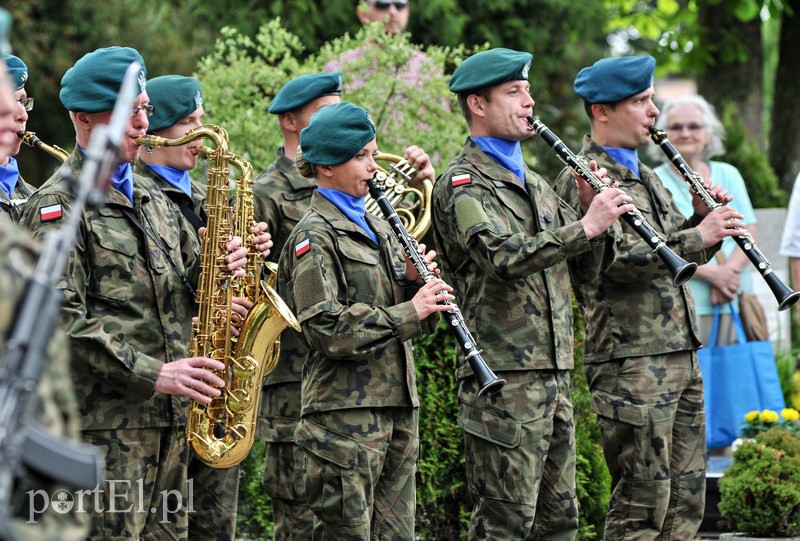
<point x="352" y="207"/>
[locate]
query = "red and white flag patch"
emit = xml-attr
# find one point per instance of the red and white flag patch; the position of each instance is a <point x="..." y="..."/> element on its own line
<point x="50" y="213"/>
<point x="460" y="180"/>
<point x="302" y="247"/>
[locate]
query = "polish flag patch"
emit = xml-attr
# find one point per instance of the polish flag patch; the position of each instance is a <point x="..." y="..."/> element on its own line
<point x="460" y="180"/>
<point x="302" y="247"/>
<point x="50" y="213"/>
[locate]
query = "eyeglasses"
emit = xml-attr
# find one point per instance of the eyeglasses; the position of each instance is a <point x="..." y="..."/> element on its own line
<point x="27" y="103"/>
<point x="148" y="110"/>
<point x="677" y="128"/>
<point x="384" y="6"/>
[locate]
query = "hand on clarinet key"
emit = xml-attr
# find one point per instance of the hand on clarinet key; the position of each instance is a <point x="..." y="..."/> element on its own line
<point x="585" y="192"/>
<point x="719" y="194"/>
<point x="427" y="299"/>
<point x="720" y="223"/>
<point x="605" y="209"/>
<point x="411" y="270"/>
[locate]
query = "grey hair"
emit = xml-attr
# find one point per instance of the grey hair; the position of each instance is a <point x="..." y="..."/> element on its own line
<point x="714" y="127"/>
<point x="306" y="169"/>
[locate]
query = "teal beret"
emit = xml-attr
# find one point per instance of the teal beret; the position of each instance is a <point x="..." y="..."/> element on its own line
<point x="611" y="80"/>
<point x="336" y="133"/>
<point x="304" y="89"/>
<point x="489" y="68"/>
<point x="17" y="70"/>
<point x="92" y="84"/>
<point x="174" y="97"/>
<point x="5" y="30"/>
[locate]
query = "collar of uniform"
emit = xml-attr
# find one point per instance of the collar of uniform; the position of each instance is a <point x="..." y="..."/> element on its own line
<point x="476" y="156"/>
<point x="336" y="218"/>
<point x="616" y="170"/>
<point x="296" y="180"/>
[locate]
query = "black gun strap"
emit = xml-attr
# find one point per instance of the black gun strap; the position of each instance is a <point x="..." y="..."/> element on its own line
<point x="129" y="213"/>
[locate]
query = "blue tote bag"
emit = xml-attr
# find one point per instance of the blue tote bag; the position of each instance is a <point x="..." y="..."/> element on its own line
<point x="737" y="378"/>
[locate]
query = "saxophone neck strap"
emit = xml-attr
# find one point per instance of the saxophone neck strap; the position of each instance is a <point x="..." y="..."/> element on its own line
<point x="132" y="217"/>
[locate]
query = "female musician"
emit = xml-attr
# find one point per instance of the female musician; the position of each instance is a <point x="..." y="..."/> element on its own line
<point x="359" y="302"/>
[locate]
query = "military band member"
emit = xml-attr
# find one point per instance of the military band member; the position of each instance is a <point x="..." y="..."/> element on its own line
<point x="345" y="276"/>
<point x="127" y="313"/>
<point x="641" y="335"/>
<point x="14" y="191"/>
<point x="512" y="248"/>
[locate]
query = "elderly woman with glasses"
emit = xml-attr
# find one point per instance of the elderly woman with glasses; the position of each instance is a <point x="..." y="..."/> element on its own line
<point x="695" y="130"/>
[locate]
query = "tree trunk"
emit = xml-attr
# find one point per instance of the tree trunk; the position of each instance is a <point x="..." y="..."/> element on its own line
<point x="784" y="138"/>
<point x="735" y="74"/>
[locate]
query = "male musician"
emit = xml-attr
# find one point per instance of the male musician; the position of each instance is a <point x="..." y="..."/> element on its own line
<point x="641" y="334"/>
<point x="281" y="197"/>
<point x="14" y="191"/>
<point x="128" y="312"/>
<point x="511" y="247"/>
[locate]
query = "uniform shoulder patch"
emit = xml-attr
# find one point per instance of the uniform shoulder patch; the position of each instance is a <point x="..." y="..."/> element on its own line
<point x="50" y="213"/>
<point x="460" y="180"/>
<point x="302" y="247"/>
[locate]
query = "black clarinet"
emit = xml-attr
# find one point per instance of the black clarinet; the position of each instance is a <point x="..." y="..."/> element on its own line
<point x="785" y="296"/>
<point x="680" y="269"/>
<point x="488" y="383"/>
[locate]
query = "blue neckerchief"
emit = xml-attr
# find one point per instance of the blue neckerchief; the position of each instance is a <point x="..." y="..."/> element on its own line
<point x="9" y="176"/>
<point x="352" y="207"/>
<point x="506" y="153"/>
<point x="121" y="179"/>
<point x="627" y="157"/>
<point x="177" y="178"/>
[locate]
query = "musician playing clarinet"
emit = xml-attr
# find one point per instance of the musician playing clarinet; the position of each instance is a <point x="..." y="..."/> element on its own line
<point x="641" y="336"/>
<point x="359" y="302"/>
<point x="511" y="248"/>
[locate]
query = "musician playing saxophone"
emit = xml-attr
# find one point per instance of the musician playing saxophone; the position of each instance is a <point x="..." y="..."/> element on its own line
<point x="359" y="302"/>
<point x="14" y="191"/>
<point x="128" y="312"/>
<point x="641" y="336"/>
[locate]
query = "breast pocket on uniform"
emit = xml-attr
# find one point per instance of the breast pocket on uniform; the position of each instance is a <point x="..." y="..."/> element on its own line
<point x="115" y="254"/>
<point x="294" y="210"/>
<point x="169" y="237"/>
<point x="639" y="195"/>
<point x="362" y="270"/>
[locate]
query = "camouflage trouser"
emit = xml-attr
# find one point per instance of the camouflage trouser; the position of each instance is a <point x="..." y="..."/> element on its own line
<point x="520" y="457"/>
<point x="651" y="412"/>
<point x="145" y="495"/>
<point x="360" y="466"/>
<point x="283" y="478"/>
<point x="215" y="494"/>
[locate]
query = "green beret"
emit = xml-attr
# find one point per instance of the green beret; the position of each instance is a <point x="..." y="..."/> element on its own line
<point x="336" y="133"/>
<point x="174" y="97"/>
<point x="304" y="89"/>
<point x="489" y="68"/>
<point x="92" y="84"/>
<point x="17" y="70"/>
<point x="5" y="30"/>
<point x="611" y="80"/>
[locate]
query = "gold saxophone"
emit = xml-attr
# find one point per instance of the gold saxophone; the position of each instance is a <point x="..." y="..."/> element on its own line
<point x="413" y="206"/>
<point x="222" y="432"/>
<point x="30" y="139"/>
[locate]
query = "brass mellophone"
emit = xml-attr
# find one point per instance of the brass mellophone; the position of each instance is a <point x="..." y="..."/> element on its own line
<point x="785" y="296"/>
<point x="488" y="382"/>
<point x="680" y="269"/>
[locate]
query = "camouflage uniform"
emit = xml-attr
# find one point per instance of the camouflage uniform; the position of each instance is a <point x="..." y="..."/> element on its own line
<point x="215" y="490"/>
<point x="12" y="206"/>
<point x="57" y="409"/>
<point x="280" y="198"/>
<point x="359" y="395"/>
<point x="127" y="313"/>
<point x="510" y="251"/>
<point x="642" y="367"/>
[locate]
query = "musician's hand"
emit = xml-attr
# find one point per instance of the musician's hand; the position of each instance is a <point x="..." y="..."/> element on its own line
<point x="604" y="210"/>
<point x="585" y="192"/>
<point x="419" y="160"/>
<point x="427" y="299"/>
<point x="237" y="256"/>
<point x="720" y="223"/>
<point x="717" y="192"/>
<point x="240" y="307"/>
<point x="191" y="377"/>
<point x="262" y="241"/>
<point x="411" y="271"/>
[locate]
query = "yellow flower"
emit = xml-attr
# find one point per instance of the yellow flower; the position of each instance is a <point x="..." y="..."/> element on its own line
<point x="751" y="416"/>
<point x="769" y="416"/>
<point x="790" y="414"/>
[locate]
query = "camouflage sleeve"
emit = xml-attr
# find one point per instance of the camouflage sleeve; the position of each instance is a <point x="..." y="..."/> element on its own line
<point x="265" y="209"/>
<point x="333" y="325"/>
<point x="492" y="229"/>
<point x="118" y="362"/>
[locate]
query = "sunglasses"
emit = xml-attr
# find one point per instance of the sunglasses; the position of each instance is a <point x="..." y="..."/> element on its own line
<point x="384" y="6"/>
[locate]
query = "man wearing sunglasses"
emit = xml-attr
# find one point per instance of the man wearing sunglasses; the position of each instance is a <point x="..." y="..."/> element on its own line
<point x="14" y="192"/>
<point x="394" y="14"/>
